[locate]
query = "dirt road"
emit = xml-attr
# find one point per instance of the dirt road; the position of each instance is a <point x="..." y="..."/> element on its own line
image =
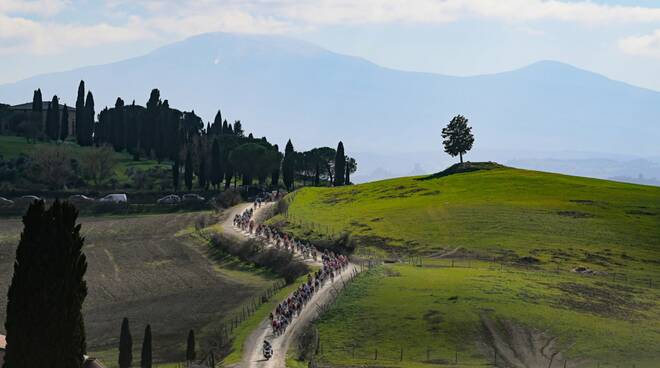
<point x="252" y="353"/>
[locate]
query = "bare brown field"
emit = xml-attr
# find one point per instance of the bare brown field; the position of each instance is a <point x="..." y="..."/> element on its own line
<point x="151" y="270"/>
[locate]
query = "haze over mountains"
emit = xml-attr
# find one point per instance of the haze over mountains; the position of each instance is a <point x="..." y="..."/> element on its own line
<point x="285" y="88"/>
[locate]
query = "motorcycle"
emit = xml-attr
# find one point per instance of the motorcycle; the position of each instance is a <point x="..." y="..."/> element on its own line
<point x="268" y="352"/>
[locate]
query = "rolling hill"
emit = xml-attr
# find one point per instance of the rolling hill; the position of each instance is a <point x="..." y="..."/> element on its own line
<point x="497" y="265"/>
<point x="281" y="87"/>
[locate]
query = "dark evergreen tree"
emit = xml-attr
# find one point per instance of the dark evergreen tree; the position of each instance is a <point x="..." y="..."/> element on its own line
<point x="44" y="322"/>
<point x="238" y="129"/>
<point x="117" y="130"/>
<point x="340" y="165"/>
<point x="89" y="118"/>
<point x="201" y="173"/>
<point x="288" y="165"/>
<point x="190" y="350"/>
<point x="64" y="123"/>
<point x="217" y="127"/>
<point x="458" y="138"/>
<point x="125" y="345"/>
<point x="37" y="101"/>
<point x="146" y="357"/>
<point x="225" y="128"/>
<point x="275" y="175"/>
<point x="175" y="174"/>
<point x="81" y="124"/>
<point x="188" y="170"/>
<point x="216" y="174"/>
<point x="53" y="119"/>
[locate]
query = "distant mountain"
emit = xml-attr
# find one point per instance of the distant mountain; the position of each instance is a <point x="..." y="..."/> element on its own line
<point x="281" y="88"/>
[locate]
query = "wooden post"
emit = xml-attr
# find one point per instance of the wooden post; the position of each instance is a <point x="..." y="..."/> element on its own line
<point x="376" y="354"/>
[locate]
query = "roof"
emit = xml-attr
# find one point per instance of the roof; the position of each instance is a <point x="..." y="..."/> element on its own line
<point x="44" y="106"/>
<point x="92" y="363"/>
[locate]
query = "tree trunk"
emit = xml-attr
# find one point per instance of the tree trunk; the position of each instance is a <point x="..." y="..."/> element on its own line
<point x="461" y="154"/>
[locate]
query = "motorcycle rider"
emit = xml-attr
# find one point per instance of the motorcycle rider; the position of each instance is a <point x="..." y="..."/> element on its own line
<point x="267" y="349"/>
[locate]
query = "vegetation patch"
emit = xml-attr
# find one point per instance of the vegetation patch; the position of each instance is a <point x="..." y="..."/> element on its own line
<point x="465" y="167"/>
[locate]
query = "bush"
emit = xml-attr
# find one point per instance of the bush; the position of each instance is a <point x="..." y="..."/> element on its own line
<point x="226" y="199"/>
<point x="278" y="261"/>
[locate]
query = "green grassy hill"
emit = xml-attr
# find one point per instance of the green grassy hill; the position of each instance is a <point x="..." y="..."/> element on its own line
<point x="13" y="146"/>
<point x="515" y="239"/>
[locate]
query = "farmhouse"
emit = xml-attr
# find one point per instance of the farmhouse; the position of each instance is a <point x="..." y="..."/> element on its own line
<point x="24" y="111"/>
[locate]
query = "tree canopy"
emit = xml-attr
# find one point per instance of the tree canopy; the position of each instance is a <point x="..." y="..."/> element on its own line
<point x="458" y="138"/>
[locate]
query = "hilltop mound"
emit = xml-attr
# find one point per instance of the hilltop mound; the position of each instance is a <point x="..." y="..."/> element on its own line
<point x="464" y="168"/>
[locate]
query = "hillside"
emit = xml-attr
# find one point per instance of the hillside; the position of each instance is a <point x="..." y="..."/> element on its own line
<point x="545" y="106"/>
<point x="506" y="262"/>
<point x="13" y="146"/>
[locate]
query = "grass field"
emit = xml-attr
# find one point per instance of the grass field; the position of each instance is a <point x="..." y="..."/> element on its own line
<point x="151" y="269"/>
<point x="13" y="146"/>
<point x="522" y="234"/>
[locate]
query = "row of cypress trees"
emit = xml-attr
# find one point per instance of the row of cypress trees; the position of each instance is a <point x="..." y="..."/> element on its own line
<point x="215" y="154"/>
<point x="146" y="358"/>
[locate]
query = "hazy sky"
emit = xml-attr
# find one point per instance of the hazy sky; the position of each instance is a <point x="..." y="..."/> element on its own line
<point x="618" y="38"/>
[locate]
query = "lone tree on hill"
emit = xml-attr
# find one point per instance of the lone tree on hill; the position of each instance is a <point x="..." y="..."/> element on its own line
<point x="458" y="138"/>
<point x="125" y="345"/>
<point x="190" y="351"/>
<point x="146" y="358"/>
<point x="44" y="322"/>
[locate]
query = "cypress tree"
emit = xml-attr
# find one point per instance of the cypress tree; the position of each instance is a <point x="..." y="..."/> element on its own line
<point x="89" y="118"/>
<point x="216" y="164"/>
<point x="125" y="345"/>
<point x="81" y="125"/>
<point x="275" y="175"/>
<point x="49" y="121"/>
<point x="117" y="128"/>
<point x="225" y="128"/>
<point x="340" y="165"/>
<point x="201" y="174"/>
<point x="288" y="165"/>
<point x="190" y="351"/>
<point x="53" y="119"/>
<point x="146" y="358"/>
<point x="238" y="128"/>
<point x="188" y="171"/>
<point x="37" y="101"/>
<point x="44" y="321"/>
<point x="64" y="123"/>
<point x="217" y="127"/>
<point x="175" y="174"/>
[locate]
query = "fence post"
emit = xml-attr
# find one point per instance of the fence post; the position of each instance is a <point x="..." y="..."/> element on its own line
<point x="376" y="354"/>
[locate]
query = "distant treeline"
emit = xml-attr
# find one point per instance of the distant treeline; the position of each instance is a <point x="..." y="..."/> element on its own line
<point x="211" y="155"/>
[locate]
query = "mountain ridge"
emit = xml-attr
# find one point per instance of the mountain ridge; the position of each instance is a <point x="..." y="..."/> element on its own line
<point x="286" y="88"/>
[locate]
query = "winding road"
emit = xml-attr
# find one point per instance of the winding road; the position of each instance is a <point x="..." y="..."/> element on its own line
<point x="252" y="354"/>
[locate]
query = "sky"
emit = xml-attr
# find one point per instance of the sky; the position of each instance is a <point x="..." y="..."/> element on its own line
<point x="617" y="38"/>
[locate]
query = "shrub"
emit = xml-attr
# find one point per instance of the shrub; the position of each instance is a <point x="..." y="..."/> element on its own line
<point x="226" y="199"/>
<point x="280" y="262"/>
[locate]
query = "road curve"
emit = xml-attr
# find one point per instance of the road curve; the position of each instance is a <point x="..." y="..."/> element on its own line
<point x="252" y="353"/>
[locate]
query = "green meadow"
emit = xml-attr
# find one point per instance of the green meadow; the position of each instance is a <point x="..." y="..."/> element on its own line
<point x="516" y="239"/>
<point x="13" y="146"/>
